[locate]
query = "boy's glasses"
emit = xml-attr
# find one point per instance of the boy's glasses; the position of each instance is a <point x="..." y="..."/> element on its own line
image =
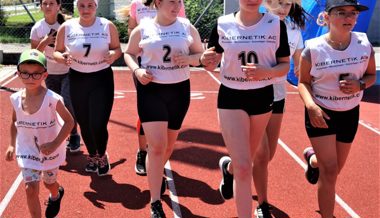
<point x="344" y="14"/>
<point x="35" y="76"/>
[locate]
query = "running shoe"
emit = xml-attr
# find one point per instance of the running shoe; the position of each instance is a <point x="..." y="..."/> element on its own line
<point x="311" y="173"/>
<point x="53" y="207"/>
<point x="140" y="166"/>
<point x="226" y="185"/>
<point x="263" y="211"/>
<point x="92" y="164"/>
<point x="156" y="210"/>
<point x="103" y="165"/>
<point x="74" y="143"/>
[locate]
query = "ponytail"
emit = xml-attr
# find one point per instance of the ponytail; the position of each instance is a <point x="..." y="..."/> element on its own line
<point x="60" y="18"/>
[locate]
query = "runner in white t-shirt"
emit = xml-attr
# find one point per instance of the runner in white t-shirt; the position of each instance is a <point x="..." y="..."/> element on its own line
<point x="89" y="45"/>
<point x="135" y="12"/>
<point x="334" y="71"/>
<point x="40" y="125"/>
<point x="254" y="53"/>
<point x="42" y="37"/>
<point x="167" y="44"/>
<point x="291" y="12"/>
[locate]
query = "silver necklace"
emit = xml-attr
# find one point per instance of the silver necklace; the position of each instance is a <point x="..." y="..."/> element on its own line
<point x="336" y="44"/>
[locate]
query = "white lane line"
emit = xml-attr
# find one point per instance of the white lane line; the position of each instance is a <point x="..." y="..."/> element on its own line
<point x="303" y="165"/>
<point x="338" y="199"/>
<point x="4" y="203"/>
<point x="369" y="126"/>
<point x="173" y="192"/>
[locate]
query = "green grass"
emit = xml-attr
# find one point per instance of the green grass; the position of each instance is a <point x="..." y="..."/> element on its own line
<point x="24" y="18"/>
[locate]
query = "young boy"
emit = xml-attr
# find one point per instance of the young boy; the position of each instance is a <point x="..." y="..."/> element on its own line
<point x="37" y="133"/>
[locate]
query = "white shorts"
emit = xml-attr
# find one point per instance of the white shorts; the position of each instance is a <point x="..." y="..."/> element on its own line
<point x="48" y="176"/>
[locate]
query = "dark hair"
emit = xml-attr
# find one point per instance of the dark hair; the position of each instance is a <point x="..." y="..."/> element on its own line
<point x="147" y="2"/>
<point x="298" y="15"/>
<point x="60" y="17"/>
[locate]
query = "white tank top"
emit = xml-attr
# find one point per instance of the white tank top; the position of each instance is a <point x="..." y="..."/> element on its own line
<point x="88" y="45"/>
<point x="139" y="11"/>
<point x="328" y="63"/>
<point x="159" y="43"/>
<point x="38" y="32"/>
<point x="295" y="42"/>
<point x="254" y="44"/>
<point x="35" y="129"/>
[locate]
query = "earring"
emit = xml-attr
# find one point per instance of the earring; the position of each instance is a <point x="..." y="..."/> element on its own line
<point x="321" y="21"/>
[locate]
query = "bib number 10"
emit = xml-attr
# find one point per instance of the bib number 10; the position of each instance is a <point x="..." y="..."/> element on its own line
<point x="250" y="57"/>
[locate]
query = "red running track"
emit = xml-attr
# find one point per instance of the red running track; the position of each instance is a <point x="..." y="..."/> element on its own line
<point x="194" y="165"/>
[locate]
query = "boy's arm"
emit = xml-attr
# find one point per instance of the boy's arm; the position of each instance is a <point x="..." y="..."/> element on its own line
<point x="11" y="148"/>
<point x="50" y="147"/>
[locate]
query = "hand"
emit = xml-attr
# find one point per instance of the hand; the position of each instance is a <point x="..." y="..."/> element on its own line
<point x="50" y="38"/>
<point x="143" y="76"/>
<point x="317" y="117"/>
<point x="9" y="153"/>
<point x="349" y="86"/>
<point x="47" y="148"/>
<point x="67" y="58"/>
<point x="209" y="57"/>
<point x="110" y="57"/>
<point x="255" y="71"/>
<point x="181" y="59"/>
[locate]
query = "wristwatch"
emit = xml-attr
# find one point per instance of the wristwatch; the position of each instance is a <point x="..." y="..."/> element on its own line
<point x="362" y="84"/>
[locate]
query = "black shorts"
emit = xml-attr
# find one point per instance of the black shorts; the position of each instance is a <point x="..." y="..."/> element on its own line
<point x="252" y="101"/>
<point x="278" y="107"/>
<point x="163" y="102"/>
<point x="343" y="124"/>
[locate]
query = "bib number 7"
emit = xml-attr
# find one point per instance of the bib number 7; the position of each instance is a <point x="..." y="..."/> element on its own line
<point x="87" y="46"/>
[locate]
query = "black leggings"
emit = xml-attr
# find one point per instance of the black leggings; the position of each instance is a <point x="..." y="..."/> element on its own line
<point x="92" y="97"/>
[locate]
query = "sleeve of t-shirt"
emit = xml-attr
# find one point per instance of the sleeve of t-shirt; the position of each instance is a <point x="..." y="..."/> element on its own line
<point x="182" y="12"/>
<point x="300" y="44"/>
<point x="132" y="12"/>
<point x="283" y="50"/>
<point x="34" y="34"/>
<point x="306" y="54"/>
<point x="213" y="40"/>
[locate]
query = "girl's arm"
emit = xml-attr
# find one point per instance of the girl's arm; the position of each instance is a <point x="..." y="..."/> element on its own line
<point x="316" y="114"/>
<point x="196" y="50"/>
<point x="68" y="125"/>
<point x="114" y="47"/>
<point x="13" y="130"/>
<point x="296" y="62"/>
<point x="60" y="54"/>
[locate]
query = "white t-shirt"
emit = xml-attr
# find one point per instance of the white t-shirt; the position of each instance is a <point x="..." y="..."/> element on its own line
<point x="139" y="11"/>
<point x="35" y="129"/>
<point x="159" y="43"/>
<point x="327" y="64"/>
<point x="88" y="46"/>
<point x="295" y="42"/>
<point x="241" y="44"/>
<point x="40" y="29"/>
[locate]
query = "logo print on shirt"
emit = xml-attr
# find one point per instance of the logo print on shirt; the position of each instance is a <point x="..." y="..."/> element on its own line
<point x="359" y="41"/>
<point x="36" y="143"/>
<point x="270" y="21"/>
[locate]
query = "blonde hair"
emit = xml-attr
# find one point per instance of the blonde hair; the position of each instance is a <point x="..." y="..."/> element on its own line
<point x="123" y="12"/>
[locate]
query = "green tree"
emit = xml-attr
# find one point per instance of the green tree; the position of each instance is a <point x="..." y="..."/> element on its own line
<point x="3" y="17"/>
<point x="194" y="8"/>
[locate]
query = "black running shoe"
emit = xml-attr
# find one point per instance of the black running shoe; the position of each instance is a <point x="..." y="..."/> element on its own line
<point x="74" y="143"/>
<point x="92" y="165"/>
<point x="263" y="211"/>
<point x="103" y="165"/>
<point x="140" y="167"/>
<point x="311" y="173"/>
<point x="156" y="210"/>
<point x="226" y="185"/>
<point x="164" y="185"/>
<point x="53" y="207"/>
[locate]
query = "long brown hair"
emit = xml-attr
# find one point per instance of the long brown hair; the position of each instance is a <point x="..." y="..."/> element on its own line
<point x="60" y="17"/>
